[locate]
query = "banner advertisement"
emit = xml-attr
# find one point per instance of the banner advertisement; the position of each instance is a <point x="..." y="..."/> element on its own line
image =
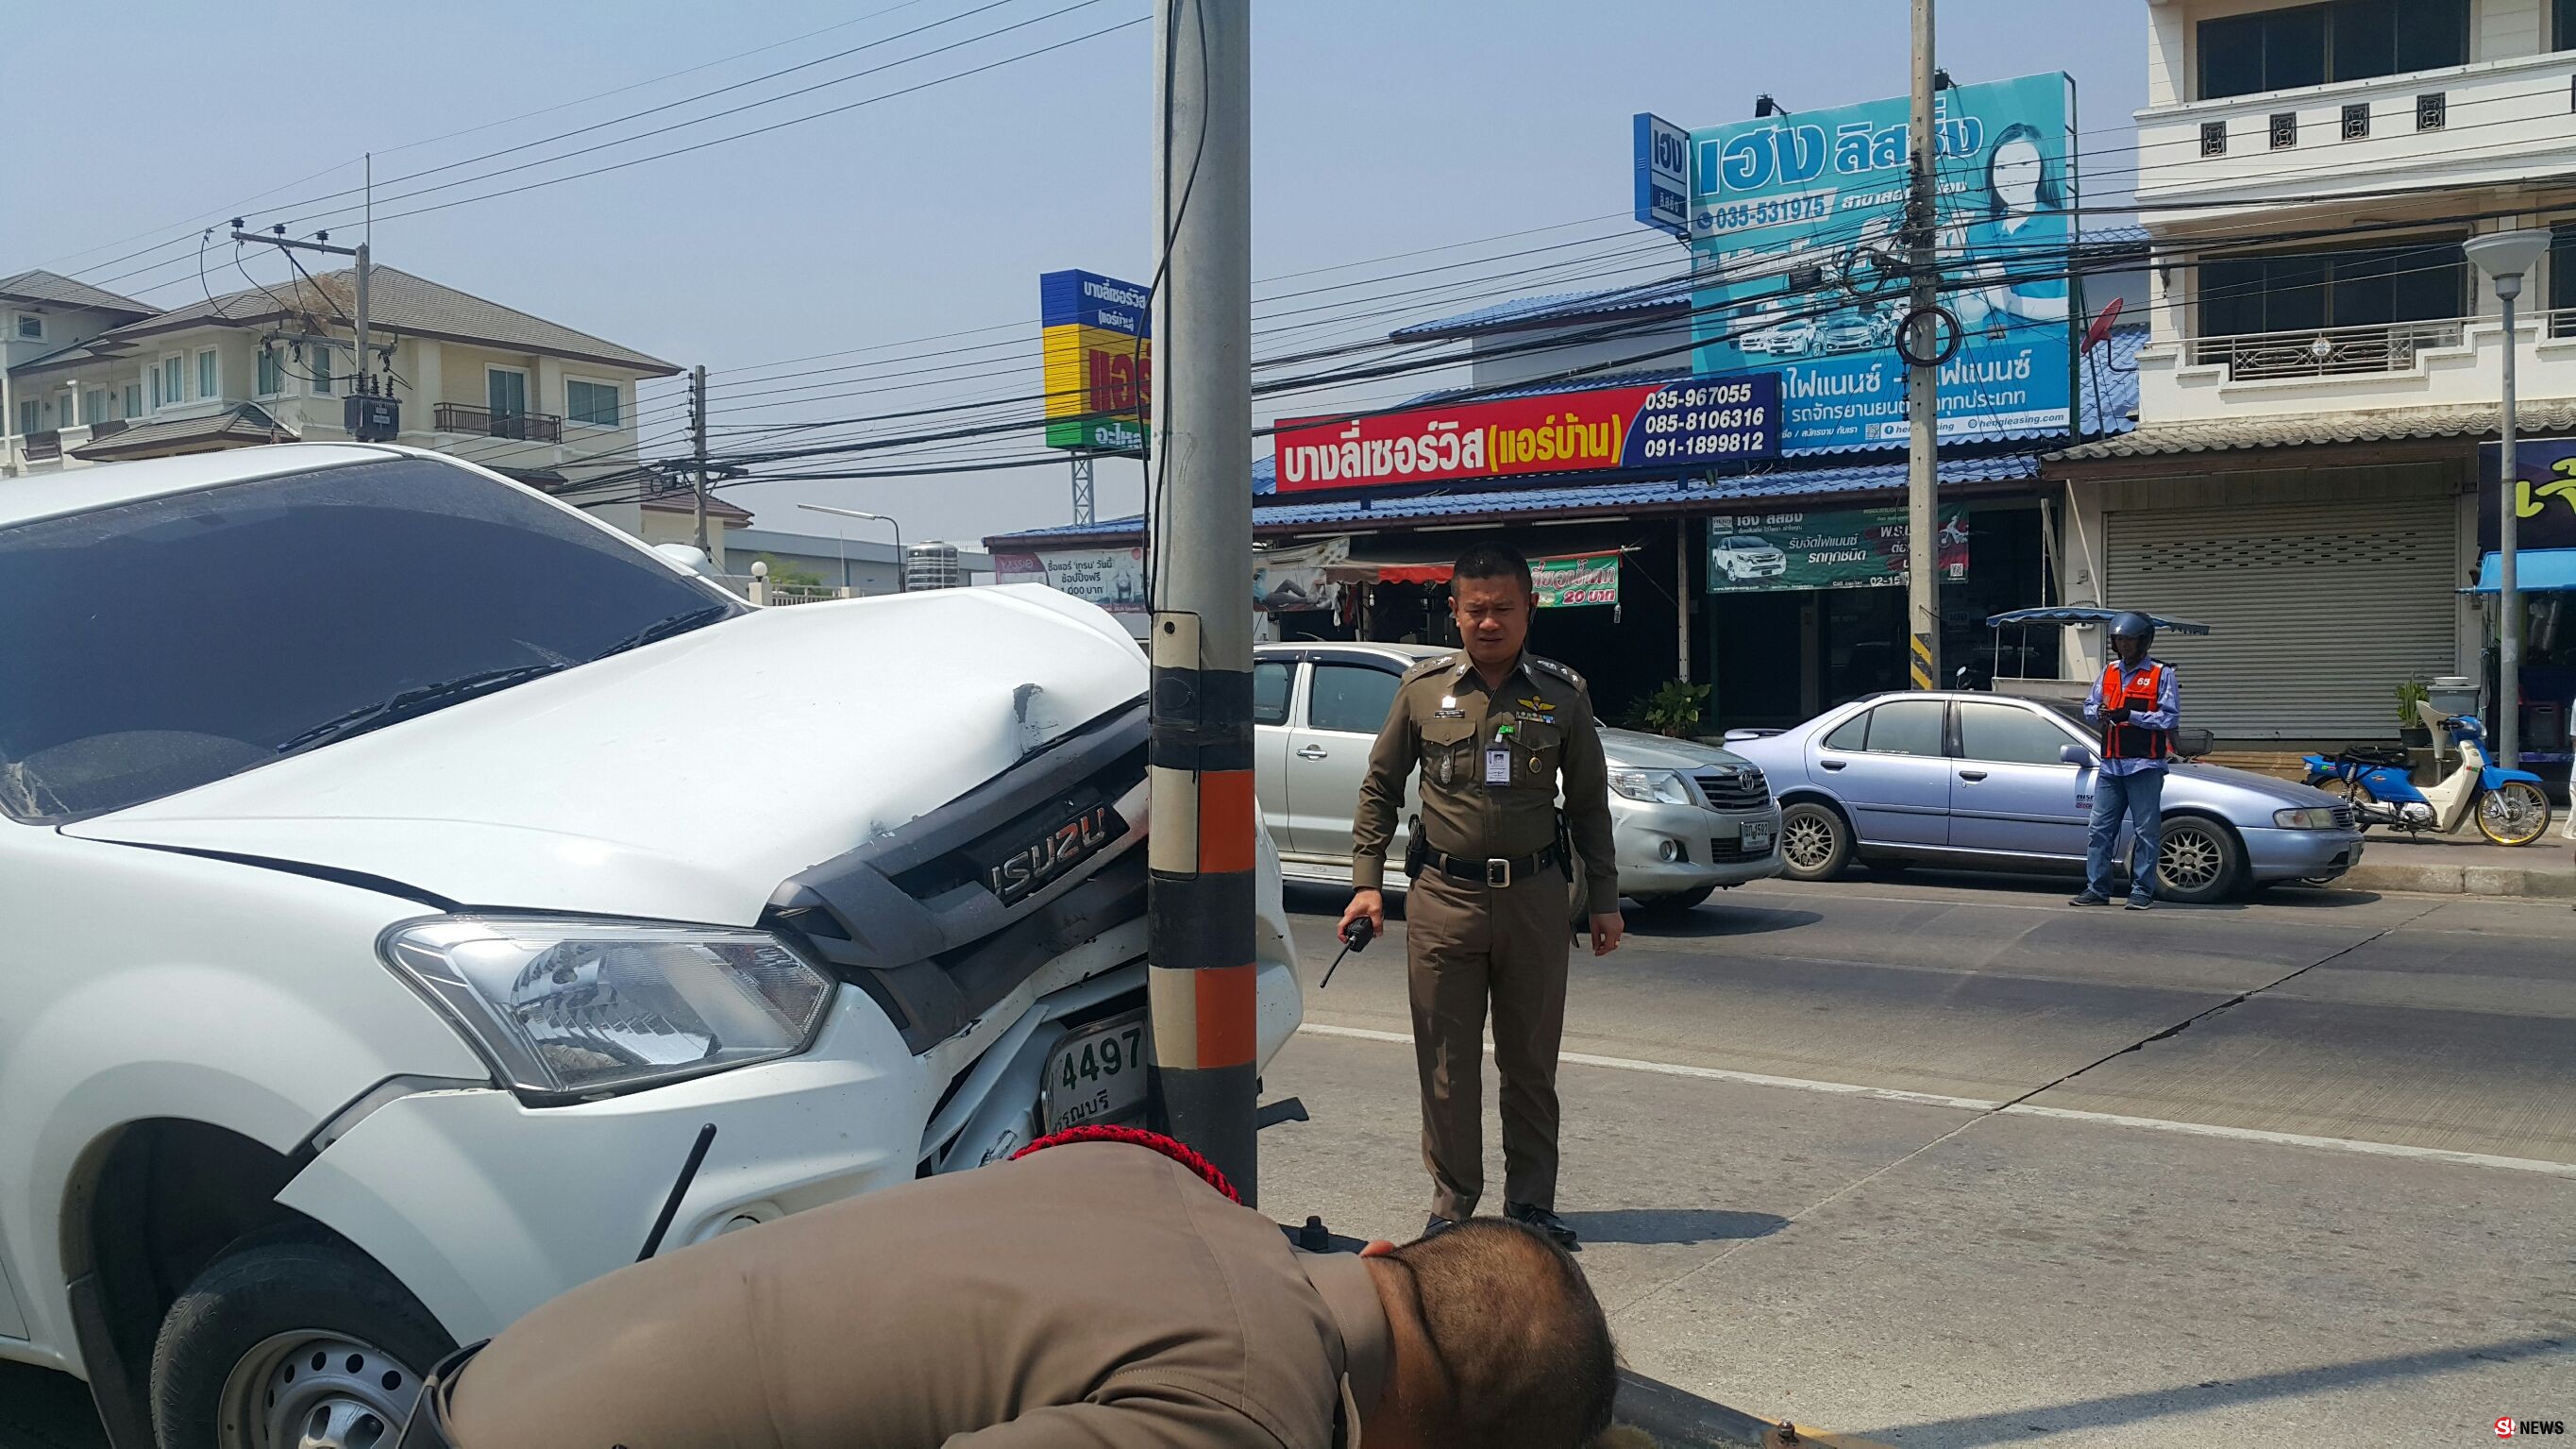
<point x="1681" y="425"/>
<point x="1113" y="578"/>
<point x="1850" y="548"/>
<point x="1564" y="583"/>
<point x="1093" y="333"/>
<point x="1795" y="224"/>
<point x="2544" y="495"/>
<point x="1294" y="580"/>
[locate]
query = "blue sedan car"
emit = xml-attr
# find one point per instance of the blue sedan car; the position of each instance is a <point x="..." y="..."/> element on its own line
<point x="1993" y="782"/>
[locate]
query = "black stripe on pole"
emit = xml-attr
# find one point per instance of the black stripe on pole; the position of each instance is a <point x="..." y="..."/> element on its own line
<point x="1200" y="920"/>
<point x="1202" y="719"/>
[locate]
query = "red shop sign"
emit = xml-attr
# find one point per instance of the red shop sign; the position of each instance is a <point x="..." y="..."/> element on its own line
<point x="1689" y="424"/>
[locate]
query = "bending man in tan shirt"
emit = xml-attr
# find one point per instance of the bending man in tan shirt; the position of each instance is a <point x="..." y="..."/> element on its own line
<point x="1090" y="1294"/>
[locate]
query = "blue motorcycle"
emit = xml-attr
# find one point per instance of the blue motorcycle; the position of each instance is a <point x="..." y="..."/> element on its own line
<point x="2509" y="805"/>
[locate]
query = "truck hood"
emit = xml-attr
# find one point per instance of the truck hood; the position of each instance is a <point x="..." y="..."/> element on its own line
<point x="686" y="779"/>
<point x="1638" y="750"/>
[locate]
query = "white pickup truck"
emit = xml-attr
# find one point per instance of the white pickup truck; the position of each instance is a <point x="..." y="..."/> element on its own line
<point x="401" y="869"/>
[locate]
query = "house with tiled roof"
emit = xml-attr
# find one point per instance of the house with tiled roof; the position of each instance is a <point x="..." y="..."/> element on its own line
<point x="97" y="378"/>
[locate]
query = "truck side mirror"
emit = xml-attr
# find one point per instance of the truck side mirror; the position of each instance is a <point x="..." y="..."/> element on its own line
<point x="2074" y="755"/>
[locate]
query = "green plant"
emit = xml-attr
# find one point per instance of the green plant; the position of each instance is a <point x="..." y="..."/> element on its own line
<point x="1674" y="709"/>
<point x="788" y="575"/>
<point x="2410" y="693"/>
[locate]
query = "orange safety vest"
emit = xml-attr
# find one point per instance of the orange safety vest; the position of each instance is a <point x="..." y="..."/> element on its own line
<point x="2128" y="741"/>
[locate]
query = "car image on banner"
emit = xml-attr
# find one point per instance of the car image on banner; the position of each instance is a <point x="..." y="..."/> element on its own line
<point x="1793" y="213"/>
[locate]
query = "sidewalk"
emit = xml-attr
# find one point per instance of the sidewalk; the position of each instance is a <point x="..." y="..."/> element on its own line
<point x="2466" y="864"/>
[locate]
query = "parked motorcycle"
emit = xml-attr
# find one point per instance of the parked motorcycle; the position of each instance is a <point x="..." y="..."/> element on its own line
<point x="2509" y="805"/>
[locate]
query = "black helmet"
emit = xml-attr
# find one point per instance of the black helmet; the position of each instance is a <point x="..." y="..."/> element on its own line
<point x="2134" y="625"/>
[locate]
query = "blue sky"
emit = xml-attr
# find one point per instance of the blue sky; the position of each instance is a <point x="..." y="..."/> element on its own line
<point x="1380" y="127"/>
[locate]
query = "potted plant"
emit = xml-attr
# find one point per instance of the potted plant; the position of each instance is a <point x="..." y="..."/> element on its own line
<point x="1674" y="709"/>
<point x="2410" y="720"/>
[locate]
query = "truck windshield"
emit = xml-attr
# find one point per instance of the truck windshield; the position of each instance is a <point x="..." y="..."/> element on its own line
<point x="152" y="646"/>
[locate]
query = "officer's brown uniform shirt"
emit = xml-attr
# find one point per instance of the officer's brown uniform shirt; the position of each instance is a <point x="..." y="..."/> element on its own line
<point x="1491" y="761"/>
<point x="1090" y="1294"/>
<point x="1446" y="720"/>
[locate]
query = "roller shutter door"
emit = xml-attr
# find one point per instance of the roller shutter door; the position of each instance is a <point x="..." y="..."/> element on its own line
<point x="2317" y="614"/>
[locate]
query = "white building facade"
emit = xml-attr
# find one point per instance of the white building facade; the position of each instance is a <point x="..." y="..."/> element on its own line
<point x="2324" y="361"/>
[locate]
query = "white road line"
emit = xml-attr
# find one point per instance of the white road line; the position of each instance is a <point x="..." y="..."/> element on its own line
<point x="2301" y="1139"/>
<point x="1676" y="1069"/>
<point x="1975" y="1104"/>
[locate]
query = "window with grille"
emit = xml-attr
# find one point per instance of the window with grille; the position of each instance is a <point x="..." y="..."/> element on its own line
<point x="2343" y="40"/>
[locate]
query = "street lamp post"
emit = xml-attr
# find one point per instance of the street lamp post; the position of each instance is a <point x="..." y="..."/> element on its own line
<point x="2505" y="256"/>
<point x="873" y="517"/>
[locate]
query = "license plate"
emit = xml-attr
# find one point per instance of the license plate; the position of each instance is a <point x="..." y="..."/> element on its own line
<point x="1097" y="1073"/>
<point x="1757" y="837"/>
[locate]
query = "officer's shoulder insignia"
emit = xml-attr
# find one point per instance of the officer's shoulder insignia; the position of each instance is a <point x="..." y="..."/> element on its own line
<point x="1430" y="666"/>
<point x="1550" y="666"/>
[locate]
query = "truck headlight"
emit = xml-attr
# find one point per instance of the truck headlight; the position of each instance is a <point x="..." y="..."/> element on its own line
<point x="2314" y="817"/>
<point x="1654" y="787"/>
<point x="572" y="1009"/>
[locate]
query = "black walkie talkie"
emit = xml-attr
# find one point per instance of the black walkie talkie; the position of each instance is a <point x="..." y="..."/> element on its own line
<point x="1355" y="937"/>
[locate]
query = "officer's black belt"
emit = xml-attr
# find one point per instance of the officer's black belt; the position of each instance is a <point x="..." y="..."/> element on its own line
<point x="1492" y="872"/>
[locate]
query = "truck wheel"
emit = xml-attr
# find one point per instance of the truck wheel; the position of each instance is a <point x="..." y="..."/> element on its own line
<point x="1675" y="906"/>
<point x="2198" y="861"/>
<point x="1815" y="843"/>
<point x="290" y="1340"/>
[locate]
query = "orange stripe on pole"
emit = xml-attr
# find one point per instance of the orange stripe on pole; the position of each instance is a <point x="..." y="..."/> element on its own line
<point x="1226" y="821"/>
<point x="1228" y="1013"/>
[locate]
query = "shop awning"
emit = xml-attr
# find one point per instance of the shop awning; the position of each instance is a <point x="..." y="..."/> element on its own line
<point x="2536" y="571"/>
<point x="2086" y="614"/>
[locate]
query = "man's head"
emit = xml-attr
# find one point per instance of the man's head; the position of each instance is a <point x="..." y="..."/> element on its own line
<point x="2132" y="635"/>
<point x="1498" y="1342"/>
<point x="1490" y="595"/>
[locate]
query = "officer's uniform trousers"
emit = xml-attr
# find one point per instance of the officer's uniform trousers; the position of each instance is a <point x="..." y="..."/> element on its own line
<point x="1462" y="940"/>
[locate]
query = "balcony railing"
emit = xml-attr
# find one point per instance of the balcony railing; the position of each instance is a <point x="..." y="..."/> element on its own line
<point x="2325" y="351"/>
<point x="483" y="422"/>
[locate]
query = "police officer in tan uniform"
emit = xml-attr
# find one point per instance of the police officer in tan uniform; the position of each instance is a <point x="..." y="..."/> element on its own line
<point x="1089" y="1293"/>
<point x="1494" y="730"/>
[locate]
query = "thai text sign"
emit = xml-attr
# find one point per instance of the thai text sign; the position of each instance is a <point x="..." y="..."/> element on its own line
<point x="2544" y="495"/>
<point x="1099" y="363"/>
<point x="1113" y="578"/>
<point x="1796" y="243"/>
<point x="1680" y="425"/>
<point x="1566" y="582"/>
<point x="1852" y="548"/>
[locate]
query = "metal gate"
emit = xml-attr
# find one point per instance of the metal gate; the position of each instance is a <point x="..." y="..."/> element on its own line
<point x="2317" y="614"/>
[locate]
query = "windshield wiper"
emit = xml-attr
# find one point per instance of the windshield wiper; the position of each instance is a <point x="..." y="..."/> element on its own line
<point x="416" y="701"/>
<point x="680" y="623"/>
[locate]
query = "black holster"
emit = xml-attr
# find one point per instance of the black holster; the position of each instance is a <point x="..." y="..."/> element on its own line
<point x="1564" y="846"/>
<point x="1414" y="848"/>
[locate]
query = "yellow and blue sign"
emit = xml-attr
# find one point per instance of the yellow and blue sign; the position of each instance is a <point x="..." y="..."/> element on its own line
<point x="1796" y="230"/>
<point x="1094" y="333"/>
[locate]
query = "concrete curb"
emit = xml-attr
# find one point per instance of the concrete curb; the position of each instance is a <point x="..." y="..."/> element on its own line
<point x="2434" y="877"/>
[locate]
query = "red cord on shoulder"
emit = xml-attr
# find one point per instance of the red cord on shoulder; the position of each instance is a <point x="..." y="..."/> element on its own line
<point x="1139" y="1137"/>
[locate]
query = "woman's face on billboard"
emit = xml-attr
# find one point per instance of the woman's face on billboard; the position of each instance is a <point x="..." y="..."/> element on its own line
<point x="2017" y="173"/>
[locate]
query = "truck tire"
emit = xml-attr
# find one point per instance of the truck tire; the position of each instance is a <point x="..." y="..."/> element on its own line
<point x="291" y="1337"/>
<point x="1675" y="906"/>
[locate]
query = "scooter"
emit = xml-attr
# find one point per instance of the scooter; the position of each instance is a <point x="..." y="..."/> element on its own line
<point x="2509" y="805"/>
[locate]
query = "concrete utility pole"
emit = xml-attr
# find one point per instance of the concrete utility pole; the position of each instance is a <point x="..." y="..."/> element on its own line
<point x="1923" y="384"/>
<point x="698" y="447"/>
<point x="1201" y="850"/>
<point x="359" y="258"/>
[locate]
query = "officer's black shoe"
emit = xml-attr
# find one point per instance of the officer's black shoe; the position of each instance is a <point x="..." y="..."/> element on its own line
<point x="1437" y="1225"/>
<point x="1546" y="1222"/>
<point x="2088" y="898"/>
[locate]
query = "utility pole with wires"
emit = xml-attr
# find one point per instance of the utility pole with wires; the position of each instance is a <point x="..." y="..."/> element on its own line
<point x="1201" y="850"/>
<point x="698" y="449"/>
<point x="368" y="417"/>
<point x="1923" y="382"/>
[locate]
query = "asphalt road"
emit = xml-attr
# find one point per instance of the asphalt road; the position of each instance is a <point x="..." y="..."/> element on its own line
<point x="1952" y="1163"/>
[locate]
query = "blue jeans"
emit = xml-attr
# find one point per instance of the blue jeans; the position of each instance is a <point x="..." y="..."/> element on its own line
<point x="2139" y="797"/>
